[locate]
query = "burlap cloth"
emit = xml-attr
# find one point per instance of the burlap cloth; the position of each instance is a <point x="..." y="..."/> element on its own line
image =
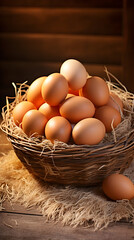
<point x="69" y="205"/>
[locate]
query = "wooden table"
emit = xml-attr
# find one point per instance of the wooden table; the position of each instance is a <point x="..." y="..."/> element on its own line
<point x="16" y="222"/>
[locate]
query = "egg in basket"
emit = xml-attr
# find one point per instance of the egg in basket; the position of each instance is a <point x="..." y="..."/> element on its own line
<point x="70" y="127"/>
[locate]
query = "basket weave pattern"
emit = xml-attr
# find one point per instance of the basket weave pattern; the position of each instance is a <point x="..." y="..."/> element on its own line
<point x="79" y="165"/>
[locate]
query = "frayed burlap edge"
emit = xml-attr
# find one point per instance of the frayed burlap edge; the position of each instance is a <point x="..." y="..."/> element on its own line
<point x="68" y="205"/>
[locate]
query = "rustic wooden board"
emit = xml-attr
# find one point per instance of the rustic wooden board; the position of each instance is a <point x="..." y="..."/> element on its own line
<point x="15" y="208"/>
<point x="22" y="70"/>
<point x="26" y="226"/>
<point x="65" y="21"/>
<point x="38" y="35"/>
<point x="64" y="4"/>
<point x="50" y="47"/>
<point x="128" y="53"/>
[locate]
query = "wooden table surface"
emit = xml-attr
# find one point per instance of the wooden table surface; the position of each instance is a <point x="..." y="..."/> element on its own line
<point x="16" y="222"/>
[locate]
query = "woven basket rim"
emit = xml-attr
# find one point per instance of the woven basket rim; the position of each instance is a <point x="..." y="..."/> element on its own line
<point x="110" y="148"/>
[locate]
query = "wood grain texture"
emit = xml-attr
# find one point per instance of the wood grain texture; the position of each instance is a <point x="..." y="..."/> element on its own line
<point x="128" y="53"/>
<point x="42" y="20"/>
<point x="29" y="71"/>
<point x="26" y="226"/>
<point x="52" y="47"/>
<point x="63" y="4"/>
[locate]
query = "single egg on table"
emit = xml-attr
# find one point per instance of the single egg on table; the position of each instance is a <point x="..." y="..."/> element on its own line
<point x="76" y="108"/>
<point x="49" y="111"/>
<point x="89" y="131"/>
<point x="117" y="187"/>
<point x="54" y="89"/>
<point x="75" y="73"/>
<point x="110" y="117"/>
<point x="34" y="92"/>
<point x="58" y="128"/>
<point x="20" y="110"/>
<point x="96" y="90"/>
<point x="33" y="123"/>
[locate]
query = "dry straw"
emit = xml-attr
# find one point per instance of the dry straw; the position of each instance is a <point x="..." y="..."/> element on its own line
<point x="80" y="165"/>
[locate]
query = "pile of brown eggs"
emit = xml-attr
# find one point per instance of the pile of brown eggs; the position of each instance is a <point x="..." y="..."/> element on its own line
<point x="73" y="105"/>
<point x="69" y="104"/>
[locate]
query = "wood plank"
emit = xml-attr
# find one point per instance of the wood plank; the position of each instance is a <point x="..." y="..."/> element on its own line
<point x="38" y="20"/>
<point x="64" y="4"/>
<point x="28" y="71"/>
<point x="50" y="47"/>
<point x="128" y="53"/>
<point x="16" y="208"/>
<point x="21" y="226"/>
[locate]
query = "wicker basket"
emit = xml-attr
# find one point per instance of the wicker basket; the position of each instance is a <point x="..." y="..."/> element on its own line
<point x="80" y="165"/>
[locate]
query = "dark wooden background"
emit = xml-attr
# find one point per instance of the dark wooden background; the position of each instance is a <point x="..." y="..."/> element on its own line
<point x="37" y="36"/>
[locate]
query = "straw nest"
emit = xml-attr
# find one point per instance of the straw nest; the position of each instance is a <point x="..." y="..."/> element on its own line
<point x="80" y="165"/>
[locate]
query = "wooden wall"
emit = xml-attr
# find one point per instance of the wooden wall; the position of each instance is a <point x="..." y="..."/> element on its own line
<point x="37" y="36"/>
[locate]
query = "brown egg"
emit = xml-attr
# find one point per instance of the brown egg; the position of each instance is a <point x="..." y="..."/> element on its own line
<point x="118" y="187"/>
<point x="49" y="111"/>
<point x="54" y="89"/>
<point x="33" y="123"/>
<point x="34" y="92"/>
<point x="77" y="108"/>
<point x="115" y="102"/>
<point x="108" y="116"/>
<point x="58" y="128"/>
<point x="20" y="110"/>
<point x="88" y="131"/>
<point x="75" y="73"/>
<point x="96" y="90"/>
